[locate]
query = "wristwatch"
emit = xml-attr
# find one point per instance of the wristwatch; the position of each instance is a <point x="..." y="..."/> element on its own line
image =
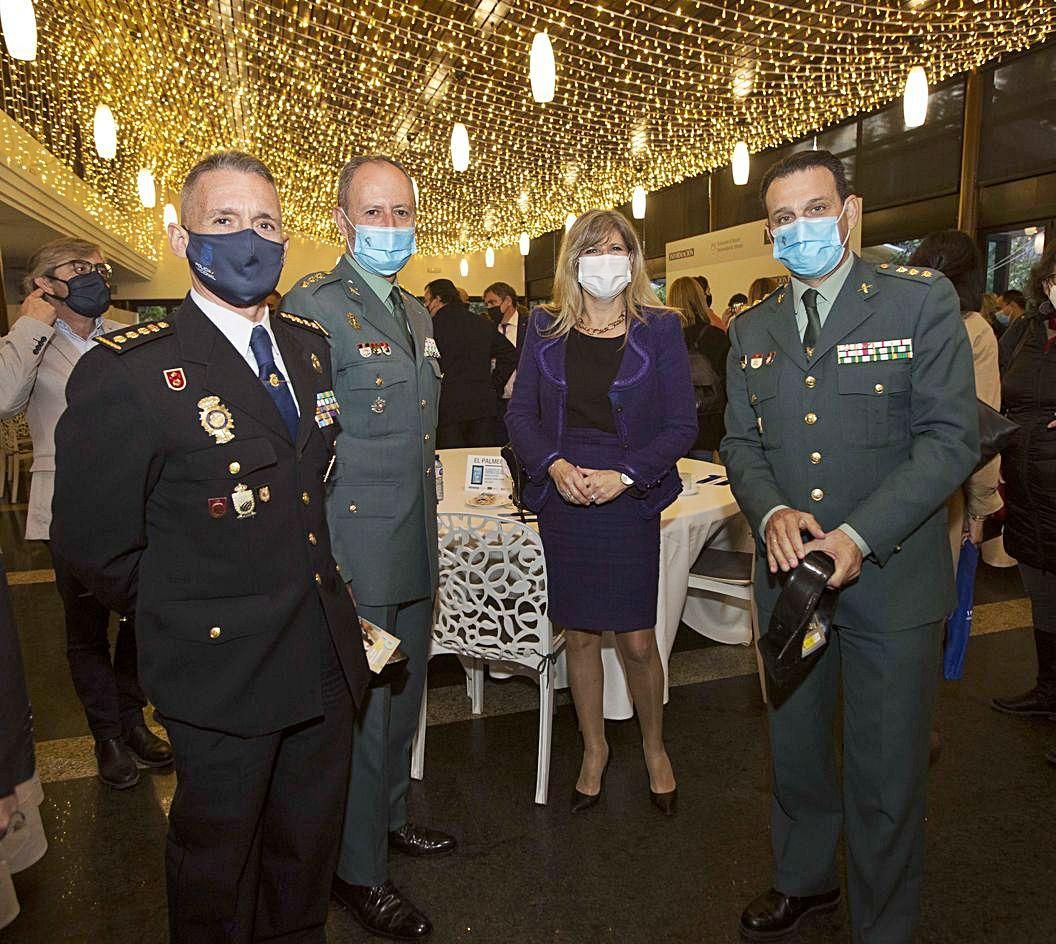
<point x="626" y="479"/>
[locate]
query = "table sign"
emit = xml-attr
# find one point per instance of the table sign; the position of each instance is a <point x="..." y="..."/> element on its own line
<point x="486" y="474"/>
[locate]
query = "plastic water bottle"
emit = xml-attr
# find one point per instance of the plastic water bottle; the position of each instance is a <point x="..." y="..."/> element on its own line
<point x="438" y="474"/>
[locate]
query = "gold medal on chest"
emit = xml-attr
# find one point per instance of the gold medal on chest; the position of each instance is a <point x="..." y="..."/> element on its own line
<point x="243" y="501"/>
<point x="216" y="419"/>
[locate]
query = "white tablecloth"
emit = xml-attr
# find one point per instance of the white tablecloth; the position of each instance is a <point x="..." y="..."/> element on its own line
<point x="710" y="517"/>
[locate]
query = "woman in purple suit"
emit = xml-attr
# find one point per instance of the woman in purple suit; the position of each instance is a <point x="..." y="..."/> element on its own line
<point x="602" y="410"/>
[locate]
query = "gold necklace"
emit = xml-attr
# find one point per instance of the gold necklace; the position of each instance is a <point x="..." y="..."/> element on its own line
<point x="587" y="329"/>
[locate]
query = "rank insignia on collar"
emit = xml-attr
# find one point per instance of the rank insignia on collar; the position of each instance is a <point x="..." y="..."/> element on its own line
<point x="780" y="298"/>
<point x="431" y="350"/>
<point x="175" y="379"/>
<point x="865" y="288"/>
<point x="244" y="502"/>
<point x="216" y="419"/>
<point x="353" y="321"/>
<point x="317" y="365"/>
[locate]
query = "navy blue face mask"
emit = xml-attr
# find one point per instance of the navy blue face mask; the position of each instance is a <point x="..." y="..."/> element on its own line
<point x="242" y="268"/>
<point x="88" y="294"/>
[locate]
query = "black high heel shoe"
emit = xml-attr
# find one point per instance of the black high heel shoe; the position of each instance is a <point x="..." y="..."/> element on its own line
<point x="583" y="801"/>
<point x="666" y="803"/>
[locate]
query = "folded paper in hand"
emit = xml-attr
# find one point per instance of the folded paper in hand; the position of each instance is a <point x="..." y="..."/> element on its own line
<point x="382" y="648"/>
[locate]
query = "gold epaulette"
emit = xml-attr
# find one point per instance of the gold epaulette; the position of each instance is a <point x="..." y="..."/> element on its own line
<point x="906" y="272"/>
<point x="309" y="324"/>
<point x="312" y="279"/>
<point x="125" y="339"/>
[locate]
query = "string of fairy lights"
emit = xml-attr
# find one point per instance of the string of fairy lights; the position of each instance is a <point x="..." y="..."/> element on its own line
<point x="511" y="115"/>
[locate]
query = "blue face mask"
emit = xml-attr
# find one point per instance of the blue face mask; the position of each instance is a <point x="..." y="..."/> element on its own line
<point x="1001" y="317"/>
<point x="242" y="268"/>
<point x="810" y="248"/>
<point x="383" y="250"/>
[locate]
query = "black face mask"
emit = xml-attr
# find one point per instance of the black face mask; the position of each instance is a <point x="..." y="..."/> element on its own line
<point x="495" y="313"/>
<point x="709" y="299"/>
<point x="89" y="295"/>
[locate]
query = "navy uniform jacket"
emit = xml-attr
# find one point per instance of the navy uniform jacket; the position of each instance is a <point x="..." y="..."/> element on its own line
<point x="218" y="540"/>
<point x="382" y="495"/>
<point x="876" y="437"/>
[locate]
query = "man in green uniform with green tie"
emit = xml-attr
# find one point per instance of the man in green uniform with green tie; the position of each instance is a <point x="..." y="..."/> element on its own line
<point x="851" y="418"/>
<point x="381" y="506"/>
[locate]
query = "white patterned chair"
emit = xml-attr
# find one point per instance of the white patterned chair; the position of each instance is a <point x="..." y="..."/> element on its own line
<point x="491" y="606"/>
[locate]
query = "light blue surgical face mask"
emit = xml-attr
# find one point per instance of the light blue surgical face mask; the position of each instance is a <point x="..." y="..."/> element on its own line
<point x="810" y="248"/>
<point x="1001" y="317"/>
<point x="383" y="250"/>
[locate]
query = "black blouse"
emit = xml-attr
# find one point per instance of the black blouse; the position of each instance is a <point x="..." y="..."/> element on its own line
<point x="591" y="365"/>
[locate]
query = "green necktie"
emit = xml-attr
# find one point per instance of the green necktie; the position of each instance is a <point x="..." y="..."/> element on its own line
<point x="813" y="330"/>
<point x="399" y="313"/>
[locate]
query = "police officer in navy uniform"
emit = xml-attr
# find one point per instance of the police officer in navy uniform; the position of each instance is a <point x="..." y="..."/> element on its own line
<point x="851" y="419"/>
<point x="382" y="510"/>
<point x="213" y="432"/>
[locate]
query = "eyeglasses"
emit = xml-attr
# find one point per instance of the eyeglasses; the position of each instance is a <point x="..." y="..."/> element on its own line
<point x="82" y="267"/>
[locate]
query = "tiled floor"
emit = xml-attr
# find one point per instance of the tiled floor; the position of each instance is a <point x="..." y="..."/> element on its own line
<point x="620" y="873"/>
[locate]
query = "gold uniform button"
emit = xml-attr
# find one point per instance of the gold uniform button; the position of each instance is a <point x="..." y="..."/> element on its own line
<point x="306" y="498"/>
<point x="815" y="458"/>
<point x="234" y="468"/>
<point x="353" y="508"/>
<point x="810" y="382"/>
<point x="312" y="538"/>
<point x="318" y="579"/>
<point x="423" y="404"/>
<point x="879" y="388"/>
<point x="214" y="633"/>
<point x="817" y="494"/>
<point x="810" y="419"/>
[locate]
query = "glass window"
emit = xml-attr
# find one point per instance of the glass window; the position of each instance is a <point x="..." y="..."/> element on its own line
<point x="1019" y="118"/>
<point x="1010" y="255"/>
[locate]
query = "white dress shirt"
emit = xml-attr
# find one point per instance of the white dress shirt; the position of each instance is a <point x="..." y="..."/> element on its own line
<point x="237" y="329"/>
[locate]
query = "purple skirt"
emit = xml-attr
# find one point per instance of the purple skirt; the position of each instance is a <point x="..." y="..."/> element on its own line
<point x="602" y="561"/>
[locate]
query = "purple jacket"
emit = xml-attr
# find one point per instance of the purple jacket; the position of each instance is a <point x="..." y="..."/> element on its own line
<point x="652" y="402"/>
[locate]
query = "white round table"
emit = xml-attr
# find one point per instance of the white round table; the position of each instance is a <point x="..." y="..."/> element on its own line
<point x="710" y="517"/>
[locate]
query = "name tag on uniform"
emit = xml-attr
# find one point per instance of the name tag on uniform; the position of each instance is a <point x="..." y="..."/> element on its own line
<point x="865" y="352"/>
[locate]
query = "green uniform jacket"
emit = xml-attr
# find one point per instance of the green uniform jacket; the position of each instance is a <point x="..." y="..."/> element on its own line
<point x="381" y="501"/>
<point x="877" y="440"/>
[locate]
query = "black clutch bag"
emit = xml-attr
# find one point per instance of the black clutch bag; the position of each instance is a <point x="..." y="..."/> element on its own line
<point x="995" y="432"/>
<point x="800" y="626"/>
<point x="518" y="475"/>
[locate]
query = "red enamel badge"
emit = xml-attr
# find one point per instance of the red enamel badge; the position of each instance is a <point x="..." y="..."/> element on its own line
<point x="218" y="507"/>
<point x="175" y="378"/>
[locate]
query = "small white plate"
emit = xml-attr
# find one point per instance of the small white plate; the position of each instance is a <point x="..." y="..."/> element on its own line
<point x="489" y="501"/>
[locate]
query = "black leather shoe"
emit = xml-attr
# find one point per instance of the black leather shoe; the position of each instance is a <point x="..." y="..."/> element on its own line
<point x="666" y="803"/>
<point x="584" y="801"/>
<point x="1035" y="703"/>
<point x="418" y="841"/>
<point x="773" y="916"/>
<point x="382" y="910"/>
<point x="147" y="748"/>
<point x="117" y="767"/>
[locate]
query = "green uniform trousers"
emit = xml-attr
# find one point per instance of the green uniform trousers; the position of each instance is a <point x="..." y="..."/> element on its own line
<point x="381" y="747"/>
<point x="889" y="682"/>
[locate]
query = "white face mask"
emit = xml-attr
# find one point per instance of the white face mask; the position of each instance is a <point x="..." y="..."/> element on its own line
<point x="604" y="277"/>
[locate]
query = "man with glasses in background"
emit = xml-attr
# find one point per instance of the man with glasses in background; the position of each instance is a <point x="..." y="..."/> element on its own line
<point x="67" y="286"/>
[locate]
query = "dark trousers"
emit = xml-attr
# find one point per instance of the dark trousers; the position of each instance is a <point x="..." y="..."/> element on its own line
<point x="254" y="826"/>
<point x="466" y="434"/>
<point x="1041" y="588"/>
<point x="889" y="684"/>
<point x="108" y="689"/>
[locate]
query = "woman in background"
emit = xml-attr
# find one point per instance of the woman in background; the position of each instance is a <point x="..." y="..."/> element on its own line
<point x="708" y="347"/>
<point x="602" y="410"/>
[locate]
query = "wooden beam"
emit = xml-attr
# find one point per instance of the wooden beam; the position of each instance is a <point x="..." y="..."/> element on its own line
<point x="968" y="199"/>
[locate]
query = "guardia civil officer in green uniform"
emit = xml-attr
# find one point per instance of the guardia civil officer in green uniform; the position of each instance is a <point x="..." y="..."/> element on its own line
<point x="382" y="512"/>
<point x="209" y="435"/>
<point x="851" y="419"/>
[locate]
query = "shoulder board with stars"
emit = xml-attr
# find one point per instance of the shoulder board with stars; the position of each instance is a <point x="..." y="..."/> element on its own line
<point x="309" y="324"/>
<point x="309" y="280"/>
<point x="125" y="339"/>
<point x="907" y="272"/>
<point x="780" y="291"/>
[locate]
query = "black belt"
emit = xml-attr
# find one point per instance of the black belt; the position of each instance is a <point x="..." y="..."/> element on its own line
<point x="802" y="620"/>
